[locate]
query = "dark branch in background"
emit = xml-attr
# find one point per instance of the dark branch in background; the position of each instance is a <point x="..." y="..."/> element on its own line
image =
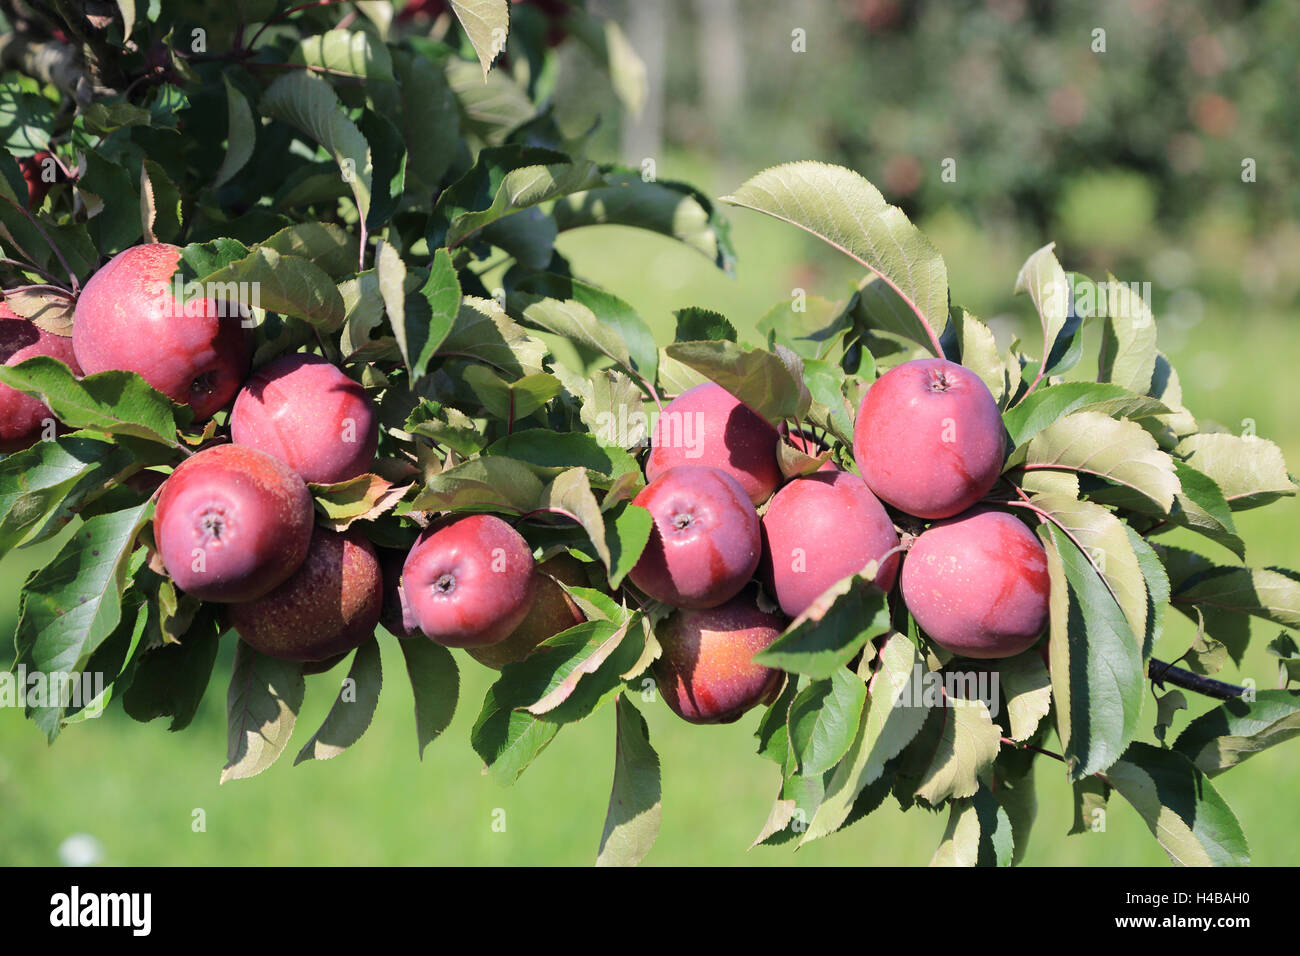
<point x="1162" y="673"/>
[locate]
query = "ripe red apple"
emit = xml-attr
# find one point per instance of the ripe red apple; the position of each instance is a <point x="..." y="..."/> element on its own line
<point x="127" y="318"/>
<point x="21" y="416"/>
<point x="469" y="582"/>
<point x="705" y="542"/>
<point x="706" y="673"/>
<point x="33" y="168"/>
<point x="232" y="523"/>
<point x="821" y="528"/>
<point x="303" y="410"/>
<point x="551" y="612"/>
<point x="707" y="425"/>
<point x="929" y="438"/>
<point x="977" y="584"/>
<point x="329" y="606"/>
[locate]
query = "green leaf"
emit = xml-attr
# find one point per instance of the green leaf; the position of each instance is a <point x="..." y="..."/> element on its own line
<point x="1262" y="592"/>
<point x="1236" y="730"/>
<point x="484" y="484"/>
<point x="891" y="719"/>
<point x="835" y="627"/>
<point x="69" y="607"/>
<point x="1248" y="469"/>
<point x="430" y="121"/>
<point x="261" y="708"/>
<point x="594" y="666"/>
<point x="509" y="739"/>
<point x="1188" y="817"/>
<point x="484" y="333"/>
<point x="840" y="207"/>
<point x="435" y="681"/>
<point x="627" y="531"/>
<point x="978" y="833"/>
<point x="552" y="452"/>
<point x="970" y="342"/>
<point x="697" y="325"/>
<point x="491" y="109"/>
<point x="1048" y="286"/>
<point x="522" y="188"/>
<point x="1027" y="689"/>
<point x="324" y="244"/>
<point x="1128" y="338"/>
<point x="486" y="24"/>
<point x="1117" y="451"/>
<point x="824" y="720"/>
<point x="170" y="680"/>
<point x="632" y="821"/>
<point x="41" y="487"/>
<point x="1090" y="795"/>
<point x="1096" y="666"/>
<point x="160" y="203"/>
<point x="118" y="403"/>
<point x="421" y="321"/>
<point x="571" y="491"/>
<point x="241" y="134"/>
<point x="1108" y="549"/>
<point x="344" y="53"/>
<point x="1201" y="507"/>
<point x="447" y="426"/>
<point x="968" y="745"/>
<point x="1157" y="588"/>
<point x="671" y="209"/>
<point x="771" y="383"/>
<point x="589" y="317"/>
<point x="306" y="102"/>
<point x="353" y="709"/>
<point x="286" y="284"/>
<point x="1046" y="405"/>
<point x="511" y="401"/>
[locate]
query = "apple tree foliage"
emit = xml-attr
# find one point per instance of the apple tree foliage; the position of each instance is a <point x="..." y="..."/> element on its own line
<point x="363" y="169"/>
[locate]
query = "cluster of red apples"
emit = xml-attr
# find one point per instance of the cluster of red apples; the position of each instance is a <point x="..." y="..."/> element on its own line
<point x="928" y="441"/>
<point x="235" y="522"/>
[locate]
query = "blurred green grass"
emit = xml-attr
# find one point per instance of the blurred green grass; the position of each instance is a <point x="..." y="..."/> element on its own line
<point x="140" y="790"/>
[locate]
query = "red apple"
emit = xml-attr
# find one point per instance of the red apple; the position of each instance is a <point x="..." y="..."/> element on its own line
<point x="929" y="438"/>
<point x="707" y="425"/>
<point x="307" y="413"/>
<point x="977" y="584"/>
<point x="821" y="528"/>
<point x="705" y="542"/>
<point x="469" y="582"/>
<point x="232" y="523"/>
<point x="329" y="606"/>
<point x="706" y="673"/>
<point x="127" y="318"/>
<point x="22" y="417"/>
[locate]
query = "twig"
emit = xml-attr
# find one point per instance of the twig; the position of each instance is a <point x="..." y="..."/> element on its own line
<point x="1161" y="673"/>
<point x="28" y="267"/>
